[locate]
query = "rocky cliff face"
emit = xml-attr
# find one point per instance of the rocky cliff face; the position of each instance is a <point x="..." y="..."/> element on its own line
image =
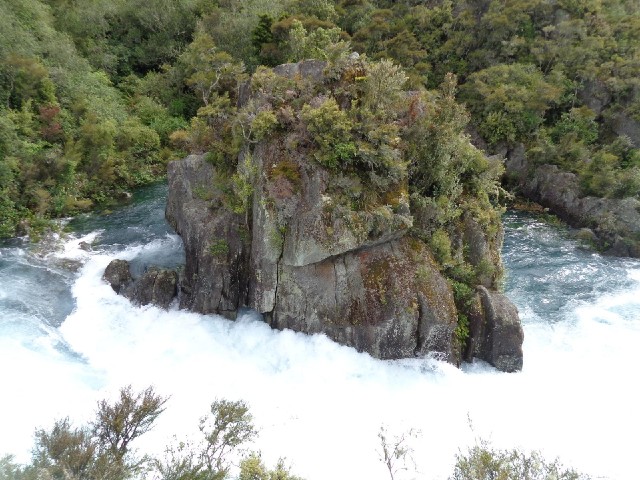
<point x="615" y="223"/>
<point x="362" y="282"/>
<point x="359" y="280"/>
<point x="217" y="241"/>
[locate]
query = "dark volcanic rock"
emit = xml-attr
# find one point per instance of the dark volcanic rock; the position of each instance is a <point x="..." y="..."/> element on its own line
<point x="496" y="332"/>
<point x="216" y="240"/>
<point x="310" y="260"/>
<point x="156" y="286"/>
<point x="373" y="299"/>
<point x="118" y="275"/>
<point x="380" y="292"/>
<point x="311" y="69"/>
<point x="363" y="289"/>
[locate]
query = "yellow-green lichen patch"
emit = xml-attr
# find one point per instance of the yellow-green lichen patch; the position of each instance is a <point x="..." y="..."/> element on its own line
<point x="376" y="279"/>
<point x="285" y="169"/>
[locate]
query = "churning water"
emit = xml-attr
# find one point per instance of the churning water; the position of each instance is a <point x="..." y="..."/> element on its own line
<point x="67" y="340"/>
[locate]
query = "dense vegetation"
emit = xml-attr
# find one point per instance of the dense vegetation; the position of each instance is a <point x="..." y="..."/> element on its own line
<point x="74" y="131"/>
<point x="96" y="97"/>
<point x="91" y="92"/>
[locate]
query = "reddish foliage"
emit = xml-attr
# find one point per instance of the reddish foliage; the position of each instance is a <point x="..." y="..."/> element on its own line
<point x="48" y="112"/>
<point x="51" y="129"/>
<point x="52" y="132"/>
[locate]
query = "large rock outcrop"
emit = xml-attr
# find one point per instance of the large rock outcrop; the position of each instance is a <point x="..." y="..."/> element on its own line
<point x="308" y="257"/>
<point x="358" y="280"/>
<point x="615" y="222"/>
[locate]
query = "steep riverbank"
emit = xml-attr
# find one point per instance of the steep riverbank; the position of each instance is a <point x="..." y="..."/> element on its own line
<point x="610" y="224"/>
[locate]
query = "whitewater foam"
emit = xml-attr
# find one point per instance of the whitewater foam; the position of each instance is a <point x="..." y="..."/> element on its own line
<point x="321" y="404"/>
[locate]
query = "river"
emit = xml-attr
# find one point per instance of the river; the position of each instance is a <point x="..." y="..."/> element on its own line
<point x="67" y="340"/>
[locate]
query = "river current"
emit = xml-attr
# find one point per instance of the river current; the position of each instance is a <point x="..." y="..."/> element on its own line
<point x="67" y="340"/>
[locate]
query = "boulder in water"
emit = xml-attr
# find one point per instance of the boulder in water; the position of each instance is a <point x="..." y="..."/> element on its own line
<point x="156" y="286"/>
<point x="118" y="275"/>
<point x="333" y="249"/>
<point x="496" y="332"/>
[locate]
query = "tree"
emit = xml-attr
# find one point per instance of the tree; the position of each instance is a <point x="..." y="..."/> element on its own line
<point x="383" y="87"/>
<point x="25" y="78"/>
<point x="227" y="429"/>
<point x="510" y="101"/>
<point x="438" y="151"/>
<point x="319" y="43"/>
<point x="132" y="415"/>
<point x="330" y="128"/>
<point x="66" y="452"/>
<point x="262" y="34"/>
<point x="483" y="462"/>
<point x="9" y="470"/>
<point x="252" y="468"/>
<point x="182" y="462"/>
<point x="212" y="70"/>
<point x="229" y="426"/>
<point x="100" y="450"/>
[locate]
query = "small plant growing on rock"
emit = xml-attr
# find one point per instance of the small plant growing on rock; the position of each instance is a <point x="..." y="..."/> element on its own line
<point x="219" y="247"/>
<point x="330" y="128"/>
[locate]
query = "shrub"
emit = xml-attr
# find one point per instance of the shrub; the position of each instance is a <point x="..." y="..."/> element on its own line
<point x="262" y="124"/>
<point x="330" y="128"/>
<point x="227" y="429"/>
<point x="483" y="462"/>
<point x="440" y="244"/>
<point x="131" y="416"/>
<point x="509" y="101"/>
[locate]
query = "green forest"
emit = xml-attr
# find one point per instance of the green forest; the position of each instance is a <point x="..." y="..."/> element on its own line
<point x="97" y="96"/>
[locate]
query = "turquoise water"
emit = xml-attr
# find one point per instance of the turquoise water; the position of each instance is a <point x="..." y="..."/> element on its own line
<point x="550" y="274"/>
<point x="66" y="340"/>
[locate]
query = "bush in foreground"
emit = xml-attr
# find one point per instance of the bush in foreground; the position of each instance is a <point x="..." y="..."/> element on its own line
<point x="483" y="462"/>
